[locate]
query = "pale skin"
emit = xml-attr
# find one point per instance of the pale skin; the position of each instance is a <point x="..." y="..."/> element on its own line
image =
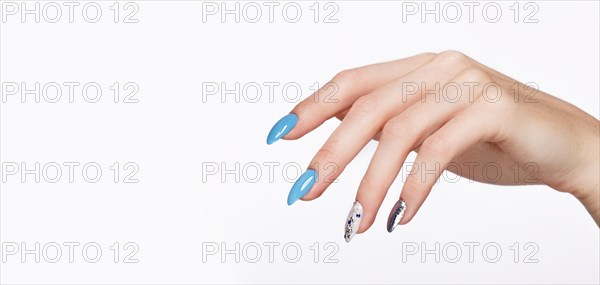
<point x="508" y="124"/>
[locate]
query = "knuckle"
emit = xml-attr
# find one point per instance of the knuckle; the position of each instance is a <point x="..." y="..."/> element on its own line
<point x="496" y="99"/>
<point x="501" y="104"/>
<point x="397" y="127"/>
<point x="427" y="55"/>
<point x="434" y="146"/>
<point x="347" y="77"/>
<point x="452" y="56"/>
<point x="362" y="106"/>
<point x="474" y="74"/>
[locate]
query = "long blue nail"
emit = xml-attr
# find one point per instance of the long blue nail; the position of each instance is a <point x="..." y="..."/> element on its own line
<point x="282" y="127"/>
<point x="302" y="186"/>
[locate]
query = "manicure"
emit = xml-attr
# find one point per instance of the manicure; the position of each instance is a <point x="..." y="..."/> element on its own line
<point x="353" y="221"/>
<point x="282" y="127"/>
<point x="302" y="186"/>
<point x="396" y="215"/>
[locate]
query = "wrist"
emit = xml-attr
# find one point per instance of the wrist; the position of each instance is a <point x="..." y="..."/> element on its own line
<point x="591" y="202"/>
<point x="587" y="187"/>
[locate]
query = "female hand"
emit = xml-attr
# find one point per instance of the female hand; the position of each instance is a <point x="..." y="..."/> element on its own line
<point x="457" y="114"/>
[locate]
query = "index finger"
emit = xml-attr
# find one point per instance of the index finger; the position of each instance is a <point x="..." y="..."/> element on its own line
<point x="339" y="94"/>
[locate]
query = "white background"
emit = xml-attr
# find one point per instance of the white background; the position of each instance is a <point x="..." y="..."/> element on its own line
<point x="176" y="207"/>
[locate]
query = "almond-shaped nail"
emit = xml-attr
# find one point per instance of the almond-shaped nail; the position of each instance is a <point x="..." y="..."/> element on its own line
<point x="353" y="221"/>
<point x="396" y="215"/>
<point x="282" y="127"/>
<point x="302" y="186"/>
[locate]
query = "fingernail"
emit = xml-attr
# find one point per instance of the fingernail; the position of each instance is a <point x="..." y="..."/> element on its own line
<point x="302" y="186"/>
<point x="282" y="127"/>
<point x="396" y="215"/>
<point x="353" y="221"/>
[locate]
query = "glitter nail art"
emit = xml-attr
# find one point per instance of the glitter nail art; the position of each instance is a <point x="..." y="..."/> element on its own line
<point x="396" y="215"/>
<point x="353" y="221"/>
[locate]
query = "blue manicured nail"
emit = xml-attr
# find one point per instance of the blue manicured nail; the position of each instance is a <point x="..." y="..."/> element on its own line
<point x="302" y="186"/>
<point x="282" y="127"/>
